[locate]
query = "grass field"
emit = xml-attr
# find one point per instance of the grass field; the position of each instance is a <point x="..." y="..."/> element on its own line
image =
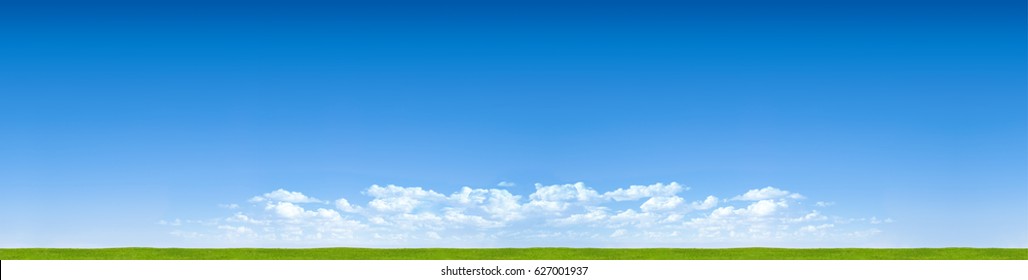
<point x="515" y="254"/>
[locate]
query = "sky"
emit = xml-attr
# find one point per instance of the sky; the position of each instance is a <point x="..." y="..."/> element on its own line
<point x="514" y="124"/>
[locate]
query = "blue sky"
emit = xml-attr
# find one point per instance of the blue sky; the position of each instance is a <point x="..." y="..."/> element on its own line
<point x="848" y="123"/>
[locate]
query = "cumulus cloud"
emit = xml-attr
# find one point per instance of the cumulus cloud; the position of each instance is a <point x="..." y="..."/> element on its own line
<point x="571" y="214"/>
<point x="345" y="206"/>
<point x="594" y="215"/>
<point x="709" y="202"/>
<point x="284" y="196"/>
<point x="661" y="203"/>
<point x="632" y="217"/>
<point x="286" y="210"/>
<point x="766" y="193"/>
<point x="503" y="205"/>
<point x="763" y="208"/>
<point x="636" y="192"/>
<point x="469" y="196"/>
<point x="556" y="198"/>
<point x="458" y="217"/>
<point x="393" y="198"/>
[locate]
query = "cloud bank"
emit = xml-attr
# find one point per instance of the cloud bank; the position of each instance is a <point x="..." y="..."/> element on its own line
<point x="659" y="215"/>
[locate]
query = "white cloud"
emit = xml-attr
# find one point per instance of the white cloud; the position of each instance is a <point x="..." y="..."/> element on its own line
<point x="415" y="222"/>
<point x="709" y="202"/>
<point x="393" y="198"/>
<point x="812" y="216"/>
<point x="765" y="207"/>
<point x="457" y="217"/>
<point x="638" y="191"/>
<point x="552" y="215"/>
<point x="378" y="220"/>
<point x="755" y="210"/>
<point x="505" y="184"/>
<point x="468" y="195"/>
<point x="673" y="218"/>
<point x="395" y="204"/>
<point x="292" y="211"/>
<point x="819" y="229"/>
<point x="595" y="215"/>
<point x="397" y="191"/>
<point x="566" y="192"/>
<point x="556" y="198"/>
<point x="661" y="203"/>
<point x="286" y="210"/>
<point x="285" y="196"/>
<point x="345" y="206"/>
<point x="632" y="217"/>
<point x="766" y="193"/>
<point x="503" y="205"/>
<point x="753" y="221"/>
<point x="328" y="214"/>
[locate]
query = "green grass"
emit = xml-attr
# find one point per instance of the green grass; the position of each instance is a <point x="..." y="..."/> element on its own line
<point x="515" y="254"/>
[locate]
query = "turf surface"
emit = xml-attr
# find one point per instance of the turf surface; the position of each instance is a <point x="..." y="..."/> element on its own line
<point x="514" y="254"/>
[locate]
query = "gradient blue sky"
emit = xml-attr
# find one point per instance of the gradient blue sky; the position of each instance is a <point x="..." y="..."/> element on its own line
<point x="117" y="116"/>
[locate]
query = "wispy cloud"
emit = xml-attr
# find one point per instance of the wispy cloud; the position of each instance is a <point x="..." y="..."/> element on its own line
<point x="563" y="214"/>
